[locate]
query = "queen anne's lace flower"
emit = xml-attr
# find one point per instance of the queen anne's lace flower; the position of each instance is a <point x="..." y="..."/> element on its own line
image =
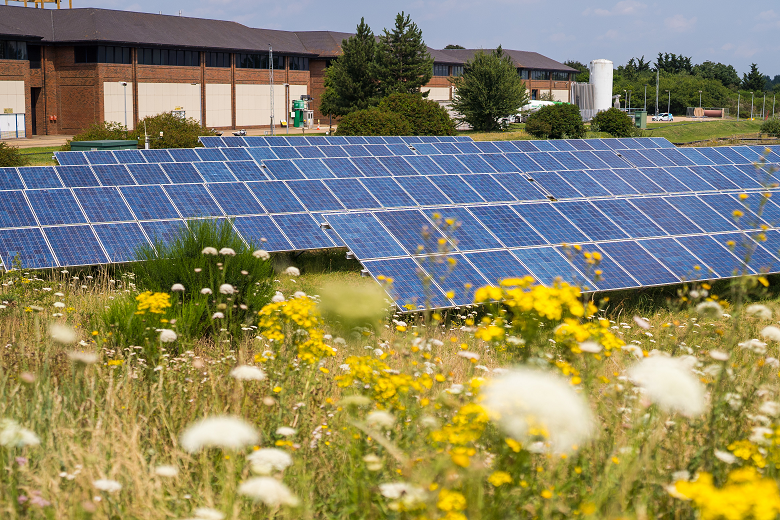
<point x="219" y="432"/>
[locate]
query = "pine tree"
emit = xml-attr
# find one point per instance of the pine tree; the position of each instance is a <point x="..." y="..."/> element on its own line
<point x="754" y="80"/>
<point x="349" y="86"/>
<point x="402" y="63"/>
<point x="488" y="90"/>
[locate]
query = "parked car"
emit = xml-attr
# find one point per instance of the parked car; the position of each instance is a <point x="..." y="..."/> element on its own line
<point x="663" y="117"/>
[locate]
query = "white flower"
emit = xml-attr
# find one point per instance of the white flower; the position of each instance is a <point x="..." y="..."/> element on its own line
<point x="166" y="471"/>
<point x="286" y="431"/>
<point x="62" y="333"/>
<point x="719" y="355"/>
<point x="761" y="435"/>
<point x="227" y="251"/>
<point x="771" y="333"/>
<point x="247" y="373"/>
<point x="681" y="475"/>
<point x="407" y="495"/>
<point x="13" y="435"/>
<point x="524" y="399"/>
<point x="59" y="305"/>
<point x="278" y="297"/>
<point x="380" y="418"/>
<point x="210" y="251"/>
<point x="261" y="254"/>
<point x="725" y="456"/>
<point x="378" y="352"/>
<point x="469" y="355"/>
<point x="205" y="290"/>
<point x="636" y="351"/>
<point x="292" y="271"/>
<point x="759" y="311"/>
<point x="86" y="358"/>
<point x="207" y="513"/>
<point x="226" y="288"/>
<point x="167" y="336"/>
<point x="754" y="345"/>
<point x="217" y="316"/>
<point x="710" y="309"/>
<point x="221" y="432"/>
<point x="772" y="362"/>
<point x="590" y="346"/>
<point x="373" y="463"/>
<point x="268" y="460"/>
<point x="299" y="294"/>
<point x="770" y="408"/>
<point x="177" y="287"/>
<point x="109" y="486"/>
<point x="269" y="491"/>
<point x="643" y="323"/>
<point x="669" y="383"/>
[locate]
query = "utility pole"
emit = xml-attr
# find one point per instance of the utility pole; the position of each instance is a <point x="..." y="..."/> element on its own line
<point x="657" y="86"/>
<point x="738" y="96"/>
<point x="763" y="108"/>
<point x="751" y="105"/>
<point x="271" y="67"/>
<point x="645" y="97"/>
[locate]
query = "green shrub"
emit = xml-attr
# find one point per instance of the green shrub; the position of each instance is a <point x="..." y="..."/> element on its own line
<point x="615" y="122"/>
<point x="105" y="131"/>
<point x="177" y="132"/>
<point x="425" y="116"/>
<point x="373" y="122"/>
<point x="771" y="127"/>
<point x="10" y="156"/>
<point x="556" y="122"/>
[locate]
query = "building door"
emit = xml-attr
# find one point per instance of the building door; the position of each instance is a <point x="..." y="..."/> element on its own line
<point x="35" y="99"/>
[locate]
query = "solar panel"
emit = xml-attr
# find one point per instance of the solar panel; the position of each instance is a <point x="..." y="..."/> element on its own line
<point x="681" y="262"/>
<point x="275" y="197"/>
<point x="261" y="232"/>
<point x="55" y="207"/>
<point x="214" y="172"/>
<point x="315" y="196"/>
<point x="100" y="157"/>
<point x="505" y="146"/>
<point x="723" y="262"/>
<point x="456" y="190"/>
<point x="156" y="156"/>
<point x="488" y="188"/>
<point x="551" y="224"/>
<point x="749" y="252"/>
<point x="75" y="245"/>
<point x="612" y="159"/>
<point x="366" y="236"/>
<point x="287" y="153"/>
<point x="388" y="192"/>
<point x="554" y="184"/>
<point x="486" y="147"/>
<point x="690" y="179"/>
<point x="665" y="180"/>
<point x="584" y="184"/>
<point x="423" y="191"/>
<point x="590" y="220"/>
<point x="70" y="158"/>
<point x="497" y="265"/>
<point x="283" y="170"/>
<point x="149" y="202"/>
<point x="638" y="181"/>
<point x="103" y="204"/>
<point x="10" y="180"/>
<point x="121" y="241"/>
<point x="499" y="163"/>
<point x="424" y="165"/>
<point x="333" y="151"/>
<point x="569" y="161"/>
<point x="562" y="145"/>
<point x="450" y="164"/>
<point x="381" y="150"/>
<point x="519" y="186"/>
<point x="547" y="161"/>
<point x="235" y="198"/>
<point x="40" y="177"/>
<point x="185" y="155"/>
<point x="413" y="230"/>
<point x="246" y="171"/>
<point x="524" y="162"/>
<point x="236" y="154"/>
<point x="638" y="160"/>
<point x="303" y="231"/>
<point x="455" y="275"/>
<point x="314" y="169"/>
<point x="397" y="166"/>
<point x="607" y="274"/>
<point x="747" y="177"/>
<point x="547" y="265"/>
<point x="209" y="154"/>
<point x="711" y="175"/>
<point x="642" y="266"/>
<point x="344" y="168"/>
<point x="545" y="146"/>
<point x="632" y="221"/>
<point x="356" y="150"/>
<point x="507" y="226"/>
<point x="666" y="216"/>
<point x="309" y="152"/>
<point x="113" y="175"/>
<point x="129" y="156"/>
<point x="406" y="287"/>
<point x="192" y="200"/>
<point x="260" y="154"/>
<point x="28" y="246"/>
<point x="148" y="173"/>
<point x="352" y="194"/>
<point x="610" y="180"/>
<point x="14" y="210"/>
<point x="464" y="230"/>
<point x="163" y="232"/>
<point x="696" y="157"/>
<point x="210" y="141"/>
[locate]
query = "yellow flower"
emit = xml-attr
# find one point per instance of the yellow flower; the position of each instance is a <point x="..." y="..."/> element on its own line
<point x="498" y="478"/>
<point x="451" y="501"/>
<point x="277" y="389"/>
<point x="115" y="362"/>
<point x="547" y="494"/>
<point x="737" y="213"/>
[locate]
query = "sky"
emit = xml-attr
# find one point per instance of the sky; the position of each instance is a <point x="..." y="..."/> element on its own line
<point x="714" y="30"/>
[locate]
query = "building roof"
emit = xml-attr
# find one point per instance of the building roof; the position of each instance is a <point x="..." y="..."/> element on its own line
<point x="522" y="59"/>
<point x="326" y="44"/>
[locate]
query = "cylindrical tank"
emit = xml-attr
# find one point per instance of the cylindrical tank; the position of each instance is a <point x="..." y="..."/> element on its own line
<point x="601" y="79"/>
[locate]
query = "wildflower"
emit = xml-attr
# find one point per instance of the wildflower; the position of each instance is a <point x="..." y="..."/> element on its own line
<point x="469" y="355"/>
<point x="754" y="345"/>
<point x="166" y="471"/>
<point x="217" y="316"/>
<point x="62" y="333"/>
<point x="156" y="303"/>
<point x="177" y="287"/>
<point x="261" y="254"/>
<point x="643" y="323"/>
<point x="268" y="460"/>
<point x="669" y="383"/>
<point x="59" y="305"/>
<point x="226" y="288"/>
<point x="109" y="486"/>
<point x="269" y="491"/>
<point x="373" y="463"/>
<point x="759" y="311"/>
<point x="210" y="251"/>
<point x="356" y="400"/>
<point x="499" y="478"/>
<point x="278" y="297"/>
<point x="167" y="336"/>
<point x="206" y="290"/>
<point x="770" y="408"/>
<point x="771" y="333"/>
<point x="407" y="496"/>
<point x="710" y="310"/>
<point x="227" y="251"/>
<point x="247" y="373"/>
<point x="761" y="435"/>
<point x="207" y="513"/>
<point x="299" y="294"/>
<point x="719" y="355"/>
<point x="451" y="501"/>
<point x="725" y="456"/>
<point x="13" y="435"/>
<point x="221" y="432"/>
<point x="380" y="418"/>
<point x="591" y="347"/>
<point x="633" y="349"/>
<point x="530" y="403"/>
<point x="84" y="358"/>
<point x="292" y="271"/>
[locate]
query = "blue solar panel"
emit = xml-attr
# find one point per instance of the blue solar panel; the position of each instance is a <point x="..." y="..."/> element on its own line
<point x="356" y="150"/>
<point x="75" y="245"/>
<point x="315" y="196"/>
<point x="637" y="159"/>
<point x="381" y="150"/>
<point x="598" y="144"/>
<point x="584" y="183"/>
<point x="675" y="257"/>
<point x="519" y="186"/>
<point x="149" y="202"/>
<point x="397" y="166"/>
<point x="412" y="229"/>
<point x="666" y="216"/>
<point x="547" y="264"/>
<point x="455" y="275"/>
<point x="121" y="241"/>
<point x="466" y="232"/>
<point x="185" y="155"/>
<point x="590" y="220"/>
<point x="749" y="252"/>
<point x="591" y="161"/>
<point x="477" y="164"/>
<point x="303" y="231"/>
<point x="54" y="207"/>
<point x="283" y="170"/>
<point x="156" y="156"/>
<point x="713" y="155"/>
<point x="612" y="159"/>
<point x="611" y="181"/>
<point x="446" y="148"/>
<point x="344" y="168"/>
<point x="399" y="149"/>
<point x="420" y="148"/>
<point x="499" y="163"/>
<point x="374" y="139"/>
<point x="113" y="175"/>
<point x="275" y="197"/>
<point x="614" y="144"/>
<point x="148" y="173"/>
<point x="497" y="265"/>
<point x="388" y="192"/>
<point x="578" y="144"/>
<point x="214" y="172"/>
<point x="287" y="153"/>
<point x="10" y="180"/>
<point x="355" y="139"/>
<point x="638" y="181"/>
<point x="545" y="146"/>
<point x="70" y="158"/>
<point x="424" y="165"/>
<point x="607" y="274"/>
<point x="366" y="236"/>
<point x="261" y="232"/>
<point x="469" y="148"/>
<point x="665" y="180"/>
<point x="562" y="145"/>
<point x="690" y="179"/>
<point x="233" y="141"/>
<point x="549" y="223"/>
<point x="261" y="154"/>
<point x="340" y="139"/>
<point x="236" y="154"/>
<point x="711" y="175"/>
<point x="547" y="161"/>
<point x="40" y="177"/>
<point x="192" y="200"/>
<point x="309" y="152"/>
<point x="247" y="171"/>
<point x="696" y="157"/>
<point x="526" y="146"/>
<point x="456" y="190"/>
<point x="28" y="245"/>
<point x="666" y="158"/>
<point x="103" y="204"/>
<point x="488" y="188"/>
<point x="423" y="191"/>
<point x="100" y="157"/>
<point x="352" y="194"/>
<point x="129" y="156"/>
<point x="569" y="161"/>
<point x="726" y="205"/>
<point x="508" y="226"/>
<point x="524" y="162"/>
<point x="314" y="169"/>
<point x="723" y="262"/>
<point x="14" y="210"/>
<point x="631" y="220"/>
<point x="235" y="198"/>
<point x="555" y="184"/>
<point x="333" y="151"/>
<point x="209" y="154"/>
<point x="211" y="141"/>
<point x="661" y="142"/>
<point x="163" y="232"/>
<point x="486" y="147"/>
<point x="406" y="288"/>
<point x="638" y="263"/>
<point x="450" y="164"/>
<point x="746" y="176"/>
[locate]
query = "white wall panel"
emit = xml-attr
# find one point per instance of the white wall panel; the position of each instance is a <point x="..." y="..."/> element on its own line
<point x="437" y="93"/>
<point x="253" y="105"/>
<point x="114" y="98"/>
<point x="218" y="111"/>
<point x="12" y="96"/>
<point x="156" y="98"/>
<point x="561" y="95"/>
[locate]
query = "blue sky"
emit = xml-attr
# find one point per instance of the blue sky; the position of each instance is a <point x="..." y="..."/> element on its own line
<point x="734" y="33"/>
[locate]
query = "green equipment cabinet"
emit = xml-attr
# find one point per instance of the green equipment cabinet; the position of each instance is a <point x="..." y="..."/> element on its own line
<point x="640" y="119"/>
<point x="83" y="146"/>
<point x="299" y="106"/>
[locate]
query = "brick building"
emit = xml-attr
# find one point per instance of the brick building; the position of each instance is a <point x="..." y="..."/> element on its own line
<point x="66" y="69"/>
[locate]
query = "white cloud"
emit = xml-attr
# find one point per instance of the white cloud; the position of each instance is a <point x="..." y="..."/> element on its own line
<point x="622" y="8"/>
<point x="680" y="23"/>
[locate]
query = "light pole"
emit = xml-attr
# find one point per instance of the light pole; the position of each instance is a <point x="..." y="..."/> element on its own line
<point x="625" y="98"/>
<point x="739" y="94"/>
<point x="645" y="97"/>
<point x="629" y="101"/>
<point x="700" y="99"/>
<point x="751" y="106"/>
<point x="763" y="108"/>
<point x="773" y="104"/>
<point x="124" y="86"/>
<point x="669" y="102"/>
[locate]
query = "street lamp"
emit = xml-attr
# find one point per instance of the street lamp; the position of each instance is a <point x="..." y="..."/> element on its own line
<point x="751" y="106"/>
<point x="763" y="108"/>
<point x="739" y="95"/>
<point x="700" y="99"/>
<point x="124" y="85"/>
<point x="645" y="97"/>
<point x="629" y="101"/>
<point x="625" y="96"/>
<point x="669" y="102"/>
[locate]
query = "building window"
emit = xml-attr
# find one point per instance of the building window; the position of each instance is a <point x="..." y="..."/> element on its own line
<point x="457" y="70"/>
<point x="543" y="75"/>
<point x="560" y="76"/>
<point x="34" y="54"/>
<point x="534" y="94"/>
<point x="102" y="54"/>
<point x="13" y="50"/>
<point x="299" y="63"/>
<point x="524" y="73"/>
<point x="260" y="61"/>
<point x="440" y="69"/>
<point x="218" y="59"/>
<point x="172" y="57"/>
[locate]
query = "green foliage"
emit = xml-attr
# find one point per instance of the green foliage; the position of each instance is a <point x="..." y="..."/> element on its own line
<point x="684" y="91"/>
<point x="402" y="62"/>
<point x="726" y="74"/>
<point x="426" y="117"/>
<point x="453" y="46"/>
<point x="753" y="81"/>
<point x="374" y="121"/>
<point x="10" y="156"/>
<point x="488" y="90"/>
<point x="177" y="132"/>
<point x="105" y="131"/>
<point x="673" y="63"/>
<point x="614" y="122"/>
<point x="771" y="127"/>
<point x="556" y="122"/>
<point x="634" y="68"/>
<point x="348" y="84"/>
<point x="584" y="74"/>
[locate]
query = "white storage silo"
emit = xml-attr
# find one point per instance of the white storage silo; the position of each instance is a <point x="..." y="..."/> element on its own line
<point x="601" y="79"/>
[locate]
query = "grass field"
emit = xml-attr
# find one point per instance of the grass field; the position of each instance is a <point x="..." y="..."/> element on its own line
<point x="685" y="132"/>
<point x="40" y="156"/>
